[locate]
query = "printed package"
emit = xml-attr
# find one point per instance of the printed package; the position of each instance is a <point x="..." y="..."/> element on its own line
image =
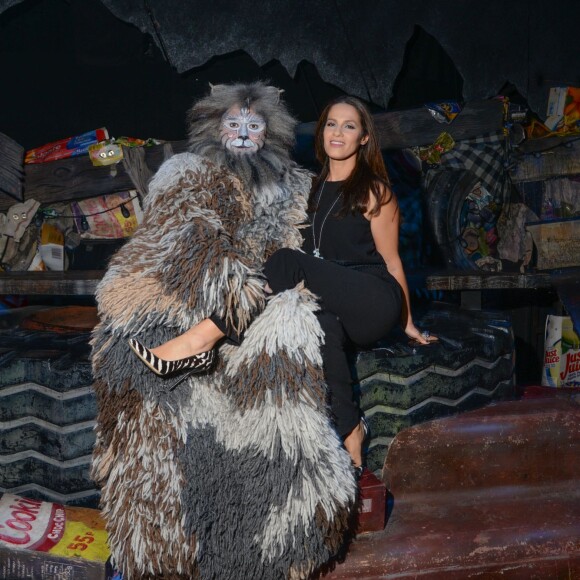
<point x="561" y="353"/>
<point x="64" y="148"/>
<point x="111" y="216"/>
<point x="563" y="112"/>
<point x="49" y="541"/>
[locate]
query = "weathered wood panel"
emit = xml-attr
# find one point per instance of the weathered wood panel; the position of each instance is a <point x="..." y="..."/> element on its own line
<point x="557" y="243"/>
<point x="78" y="178"/>
<point x="415" y="127"/>
<point x="463" y="280"/>
<point x="530" y="146"/>
<point x="556" y="162"/>
<point x="401" y="129"/>
<point x="11" y="168"/>
<point x="70" y="283"/>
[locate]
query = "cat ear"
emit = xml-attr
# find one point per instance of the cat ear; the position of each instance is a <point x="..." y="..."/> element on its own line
<point x="274" y="93"/>
<point x="216" y="90"/>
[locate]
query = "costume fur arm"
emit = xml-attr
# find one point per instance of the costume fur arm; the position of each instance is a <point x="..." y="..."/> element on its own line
<point x="279" y="211"/>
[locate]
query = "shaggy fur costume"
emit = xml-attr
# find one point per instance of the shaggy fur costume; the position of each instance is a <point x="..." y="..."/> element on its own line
<point x="238" y="473"/>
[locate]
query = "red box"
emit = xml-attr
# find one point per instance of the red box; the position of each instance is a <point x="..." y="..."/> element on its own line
<point x="372" y="503"/>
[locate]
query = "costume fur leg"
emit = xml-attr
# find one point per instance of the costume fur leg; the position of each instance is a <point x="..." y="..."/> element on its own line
<point x="268" y="486"/>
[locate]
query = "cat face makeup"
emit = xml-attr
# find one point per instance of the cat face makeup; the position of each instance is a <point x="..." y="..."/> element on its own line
<point x="243" y="131"/>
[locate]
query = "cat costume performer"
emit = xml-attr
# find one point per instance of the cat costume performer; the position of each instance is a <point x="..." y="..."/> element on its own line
<point x="236" y="472"/>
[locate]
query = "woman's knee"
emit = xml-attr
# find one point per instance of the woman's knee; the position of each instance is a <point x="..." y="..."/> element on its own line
<point x="281" y="269"/>
<point x="332" y="328"/>
<point x="281" y="257"/>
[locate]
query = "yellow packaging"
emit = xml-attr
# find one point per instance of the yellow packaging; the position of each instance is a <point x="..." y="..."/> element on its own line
<point x="50" y="234"/>
<point x="42" y="539"/>
<point x="51" y="247"/>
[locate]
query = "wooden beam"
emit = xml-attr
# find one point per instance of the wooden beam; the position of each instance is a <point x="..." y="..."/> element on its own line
<point x="11" y="168"/>
<point x="69" y="283"/>
<point x="416" y="127"/>
<point x="558" y="161"/>
<point x="531" y="146"/>
<point x="77" y="178"/>
<point x="479" y="280"/>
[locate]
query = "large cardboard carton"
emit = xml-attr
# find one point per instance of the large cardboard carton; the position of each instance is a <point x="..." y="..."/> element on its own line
<point x="48" y="541"/>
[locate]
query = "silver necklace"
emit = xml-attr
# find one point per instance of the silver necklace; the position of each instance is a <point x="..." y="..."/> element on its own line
<point x="316" y="251"/>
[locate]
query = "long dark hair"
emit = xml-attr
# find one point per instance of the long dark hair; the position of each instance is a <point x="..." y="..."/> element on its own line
<point x="369" y="174"/>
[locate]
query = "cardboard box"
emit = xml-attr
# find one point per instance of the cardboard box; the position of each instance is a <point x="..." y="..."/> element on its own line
<point x="555" y="109"/>
<point x="563" y="111"/>
<point x="372" y="503"/>
<point x="557" y="243"/>
<point x="48" y="541"/>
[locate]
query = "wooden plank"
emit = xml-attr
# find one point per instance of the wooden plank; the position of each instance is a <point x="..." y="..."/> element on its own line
<point x="70" y="283"/>
<point x="556" y="162"/>
<point x="530" y="146"/>
<point x="77" y="178"/>
<point x="11" y="168"/>
<point x="413" y="127"/>
<point x="468" y="280"/>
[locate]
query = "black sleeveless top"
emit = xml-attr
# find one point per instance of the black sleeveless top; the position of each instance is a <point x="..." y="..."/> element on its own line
<point x="345" y="239"/>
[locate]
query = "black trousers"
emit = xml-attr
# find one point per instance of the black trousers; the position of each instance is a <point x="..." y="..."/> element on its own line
<point x="355" y="306"/>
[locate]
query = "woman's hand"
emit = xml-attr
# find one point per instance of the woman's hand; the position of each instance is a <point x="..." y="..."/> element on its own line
<point x="416" y="335"/>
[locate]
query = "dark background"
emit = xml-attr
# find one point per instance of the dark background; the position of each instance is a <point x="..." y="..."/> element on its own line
<point x="134" y="66"/>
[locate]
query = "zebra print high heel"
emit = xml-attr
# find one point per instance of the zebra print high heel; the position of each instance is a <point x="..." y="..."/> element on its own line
<point x="198" y="363"/>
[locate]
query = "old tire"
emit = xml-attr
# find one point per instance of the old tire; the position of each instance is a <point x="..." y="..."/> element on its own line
<point x="471" y="365"/>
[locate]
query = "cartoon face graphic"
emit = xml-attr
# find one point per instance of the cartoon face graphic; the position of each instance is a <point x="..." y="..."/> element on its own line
<point x="243" y="131"/>
<point x="18" y="217"/>
<point x="105" y="153"/>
